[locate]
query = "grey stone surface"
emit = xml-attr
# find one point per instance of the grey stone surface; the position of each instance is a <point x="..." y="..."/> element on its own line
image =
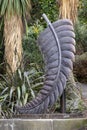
<point x="43" y="124"/>
<point x="69" y="124"/>
<point x="36" y="124"/>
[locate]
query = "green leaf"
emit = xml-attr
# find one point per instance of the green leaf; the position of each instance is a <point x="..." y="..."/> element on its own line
<point x="4" y="97"/>
<point x="23" y="90"/>
<point x="0" y="2"/>
<point x="26" y="98"/>
<point x="32" y="93"/>
<point x="4" y="6"/>
<point x="5" y="89"/>
<point x="39" y="79"/>
<point x="11" y="92"/>
<point x="19" y="103"/>
<point x="18" y="92"/>
<point x="23" y="5"/>
<point x="10" y="7"/>
<point x="37" y="84"/>
<point x="4" y="78"/>
<point x="20" y="74"/>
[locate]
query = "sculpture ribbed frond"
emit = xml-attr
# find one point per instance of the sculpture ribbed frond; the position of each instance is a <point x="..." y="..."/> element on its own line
<point x="56" y="74"/>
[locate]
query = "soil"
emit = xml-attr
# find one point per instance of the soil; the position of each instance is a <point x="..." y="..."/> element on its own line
<point x="53" y="116"/>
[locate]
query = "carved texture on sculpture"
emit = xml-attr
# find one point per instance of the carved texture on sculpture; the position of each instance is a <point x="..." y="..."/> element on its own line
<point x="57" y="66"/>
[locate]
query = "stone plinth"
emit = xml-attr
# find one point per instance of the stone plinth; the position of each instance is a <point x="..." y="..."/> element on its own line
<point x="43" y="124"/>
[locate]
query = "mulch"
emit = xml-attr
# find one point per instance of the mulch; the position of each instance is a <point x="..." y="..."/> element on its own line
<point x="52" y="116"/>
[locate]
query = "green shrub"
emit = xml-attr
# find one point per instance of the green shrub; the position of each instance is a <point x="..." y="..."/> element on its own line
<point x="82" y="13"/>
<point x="31" y="49"/>
<point x="74" y="101"/>
<point x="20" y="89"/>
<point x="81" y="35"/>
<point x="44" y="6"/>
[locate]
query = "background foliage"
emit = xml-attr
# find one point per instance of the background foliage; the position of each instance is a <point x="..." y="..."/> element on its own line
<point x="44" y="6"/>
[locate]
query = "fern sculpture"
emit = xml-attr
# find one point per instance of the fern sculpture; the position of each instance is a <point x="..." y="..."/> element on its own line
<point x="57" y="45"/>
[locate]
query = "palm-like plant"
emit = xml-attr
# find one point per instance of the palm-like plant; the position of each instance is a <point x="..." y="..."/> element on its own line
<point x="13" y="11"/>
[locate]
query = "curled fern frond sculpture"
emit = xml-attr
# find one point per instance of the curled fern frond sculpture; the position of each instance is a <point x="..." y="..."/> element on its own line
<point x="57" y="44"/>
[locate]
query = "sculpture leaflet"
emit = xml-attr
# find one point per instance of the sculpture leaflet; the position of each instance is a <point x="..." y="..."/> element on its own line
<point x="57" y="45"/>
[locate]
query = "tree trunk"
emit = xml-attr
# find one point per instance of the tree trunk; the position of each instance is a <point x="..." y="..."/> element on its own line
<point x="13" y="43"/>
<point x="68" y="9"/>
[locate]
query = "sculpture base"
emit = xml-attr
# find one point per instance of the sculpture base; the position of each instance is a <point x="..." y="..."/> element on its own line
<point x="44" y="124"/>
